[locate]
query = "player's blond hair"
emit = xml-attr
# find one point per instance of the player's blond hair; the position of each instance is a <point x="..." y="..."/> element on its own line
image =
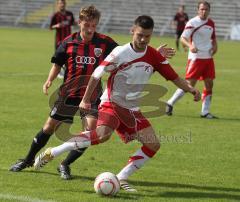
<point x="89" y="13"/>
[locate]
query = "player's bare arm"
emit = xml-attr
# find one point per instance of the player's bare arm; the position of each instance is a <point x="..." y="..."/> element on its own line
<point x="51" y="76"/>
<point x="188" y="44"/>
<point x="214" y="47"/>
<point x="166" y="51"/>
<point x="181" y="83"/>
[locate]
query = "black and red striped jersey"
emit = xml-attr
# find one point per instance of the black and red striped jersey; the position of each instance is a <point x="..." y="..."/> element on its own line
<point x="81" y="59"/>
<point x="67" y="20"/>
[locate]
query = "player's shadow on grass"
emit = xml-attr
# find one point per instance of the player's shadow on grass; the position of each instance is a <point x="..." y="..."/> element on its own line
<point x="200" y="195"/>
<point x="204" y="119"/>
<point x="207" y="191"/>
<point x="189" y="186"/>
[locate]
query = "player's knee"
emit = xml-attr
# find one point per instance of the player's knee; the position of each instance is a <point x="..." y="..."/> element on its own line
<point x="104" y="137"/>
<point x="104" y="133"/>
<point x="156" y="146"/>
<point x="48" y="128"/>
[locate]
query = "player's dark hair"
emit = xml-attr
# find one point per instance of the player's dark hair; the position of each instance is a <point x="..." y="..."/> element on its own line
<point x="204" y="3"/>
<point x="144" y="21"/>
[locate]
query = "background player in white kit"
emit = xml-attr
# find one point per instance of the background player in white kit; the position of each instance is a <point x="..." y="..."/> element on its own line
<point x="199" y="36"/>
<point x="130" y="67"/>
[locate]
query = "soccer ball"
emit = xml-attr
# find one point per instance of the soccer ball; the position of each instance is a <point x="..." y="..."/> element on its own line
<point x="107" y="184"/>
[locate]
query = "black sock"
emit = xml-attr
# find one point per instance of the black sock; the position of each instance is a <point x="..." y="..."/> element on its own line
<point x="73" y="155"/>
<point x="39" y="141"/>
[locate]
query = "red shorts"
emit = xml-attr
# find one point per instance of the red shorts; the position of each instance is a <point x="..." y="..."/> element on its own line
<point x="200" y="69"/>
<point x="126" y="122"/>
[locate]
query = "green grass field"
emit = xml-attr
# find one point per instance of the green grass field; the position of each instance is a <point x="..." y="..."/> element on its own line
<point x="198" y="160"/>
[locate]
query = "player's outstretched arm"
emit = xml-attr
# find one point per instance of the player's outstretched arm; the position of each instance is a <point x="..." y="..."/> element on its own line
<point x="166" y="51"/>
<point x="51" y="76"/>
<point x="184" y="85"/>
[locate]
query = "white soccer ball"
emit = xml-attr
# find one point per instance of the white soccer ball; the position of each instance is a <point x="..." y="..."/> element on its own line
<point x="107" y="184"/>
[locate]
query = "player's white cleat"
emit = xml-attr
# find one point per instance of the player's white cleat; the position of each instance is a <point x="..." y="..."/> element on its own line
<point x="43" y="159"/>
<point x="209" y="116"/>
<point x="126" y="187"/>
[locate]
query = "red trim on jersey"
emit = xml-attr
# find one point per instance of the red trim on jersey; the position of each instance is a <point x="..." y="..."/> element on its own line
<point x="150" y="153"/>
<point x="208" y="23"/>
<point x="189" y="27"/>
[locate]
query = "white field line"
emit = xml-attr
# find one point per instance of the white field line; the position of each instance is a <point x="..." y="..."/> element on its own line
<point x="22" y="198"/>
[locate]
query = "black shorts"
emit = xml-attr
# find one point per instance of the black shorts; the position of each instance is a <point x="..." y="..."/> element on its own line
<point x="65" y="108"/>
<point x="179" y="33"/>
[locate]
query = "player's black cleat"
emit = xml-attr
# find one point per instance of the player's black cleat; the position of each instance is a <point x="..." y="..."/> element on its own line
<point x="20" y="165"/>
<point x="64" y="171"/>
<point x="209" y="116"/>
<point x="169" y="110"/>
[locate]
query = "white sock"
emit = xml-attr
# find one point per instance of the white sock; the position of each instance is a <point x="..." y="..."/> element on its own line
<point x="176" y="96"/>
<point x="74" y="143"/>
<point x="206" y="104"/>
<point x="134" y="163"/>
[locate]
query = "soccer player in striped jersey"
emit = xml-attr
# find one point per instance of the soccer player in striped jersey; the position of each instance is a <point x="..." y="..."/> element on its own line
<point x="130" y="67"/>
<point x="81" y="53"/>
<point x="199" y="36"/>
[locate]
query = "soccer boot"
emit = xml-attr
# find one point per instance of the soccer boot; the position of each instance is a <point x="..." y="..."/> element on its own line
<point x="64" y="171"/>
<point x="43" y="159"/>
<point x="169" y="110"/>
<point x="209" y="116"/>
<point x="20" y="165"/>
<point x="126" y="187"/>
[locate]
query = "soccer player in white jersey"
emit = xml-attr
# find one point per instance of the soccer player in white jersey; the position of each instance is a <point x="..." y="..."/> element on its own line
<point x="199" y="36"/>
<point x="130" y="67"/>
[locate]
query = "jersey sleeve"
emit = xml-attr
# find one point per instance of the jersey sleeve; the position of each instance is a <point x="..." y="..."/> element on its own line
<point x="52" y="21"/>
<point x="188" y="30"/>
<point x="72" y="19"/>
<point x="110" y="63"/>
<point x="164" y="68"/>
<point x="111" y="44"/>
<point x="60" y="55"/>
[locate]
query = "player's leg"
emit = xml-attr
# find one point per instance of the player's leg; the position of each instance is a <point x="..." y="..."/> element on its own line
<point x="208" y="76"/>
<point x="39" y="141"/>
<point x="206" y="99"/>
<point x="83" y="140"/>
<point x="150" y="146"/>
<point x="179" y="93"/>
<point x="88" y="123"/>
<point x="106" y="124"/>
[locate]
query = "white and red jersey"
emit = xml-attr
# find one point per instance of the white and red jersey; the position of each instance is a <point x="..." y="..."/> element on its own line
<point x="130" y="71"/>
<point x="201" y="33"/>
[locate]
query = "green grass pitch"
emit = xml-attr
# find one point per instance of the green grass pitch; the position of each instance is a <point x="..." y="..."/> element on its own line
<point x="203" y="166"/>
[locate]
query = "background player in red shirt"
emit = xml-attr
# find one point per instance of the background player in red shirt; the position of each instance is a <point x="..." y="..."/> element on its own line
<point x="81" y="53"/>
<point x="130" y="67"/>
<point x="179" y="21"/>
<point x="61" y="21"/>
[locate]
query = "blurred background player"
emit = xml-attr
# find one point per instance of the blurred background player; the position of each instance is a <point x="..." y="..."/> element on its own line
<point x="179" y="21"/>
<point x="199" y="36"/>
<point x="130" y="67"/>
<point x="61" y="21"/>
